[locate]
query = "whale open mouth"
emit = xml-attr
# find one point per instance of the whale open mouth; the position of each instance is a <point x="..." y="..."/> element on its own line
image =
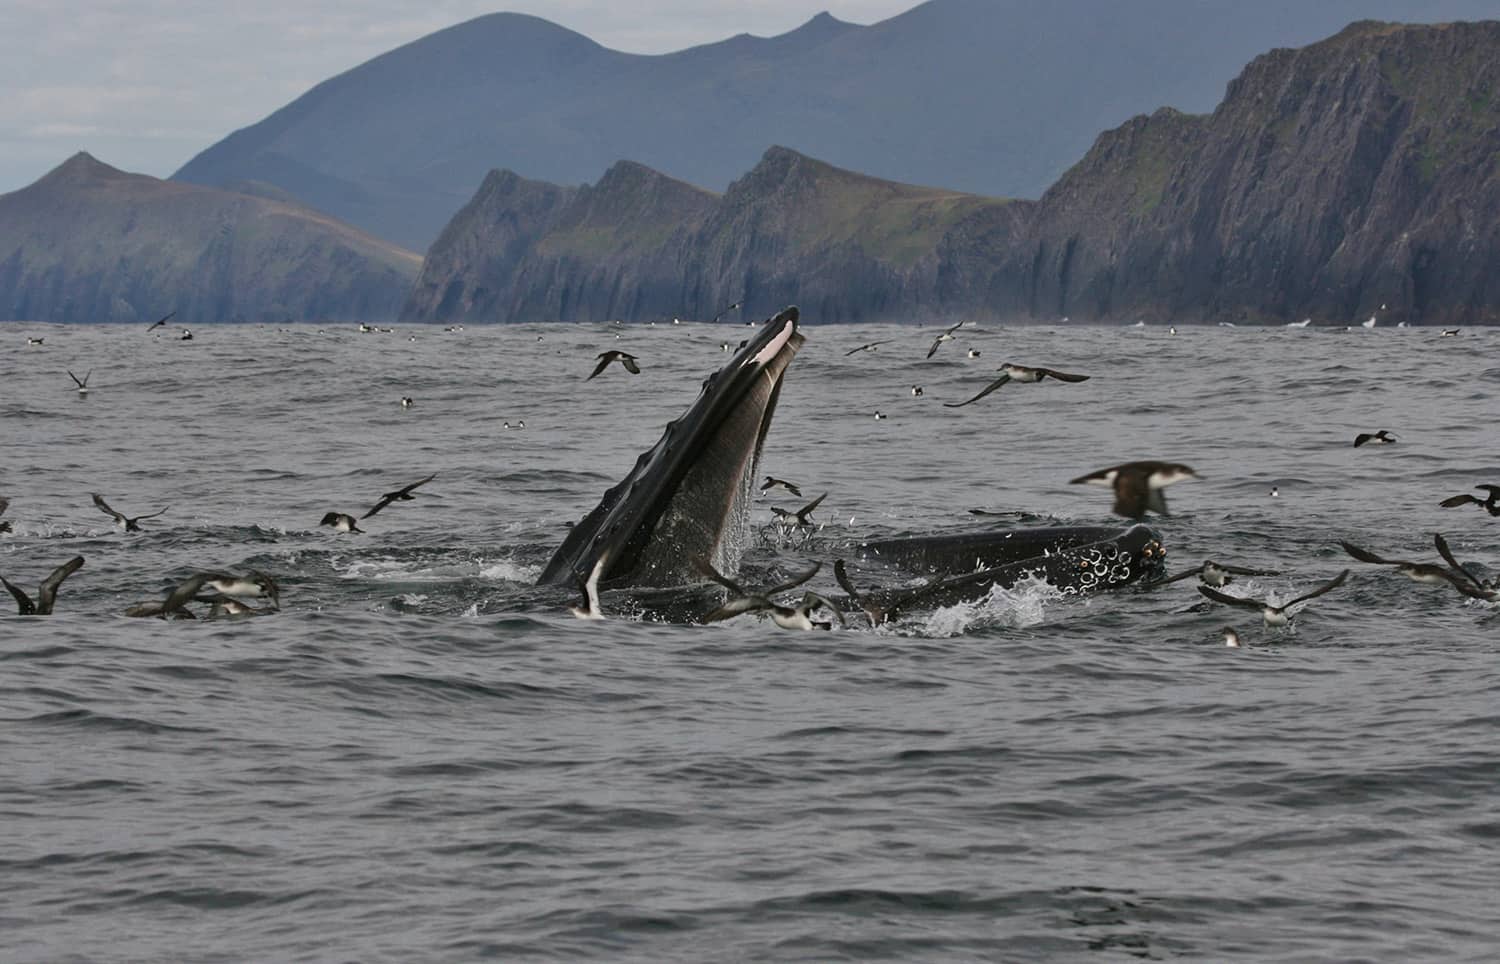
<point x="689" y="495"/>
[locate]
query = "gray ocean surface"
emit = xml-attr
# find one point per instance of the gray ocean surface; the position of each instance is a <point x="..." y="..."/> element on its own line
<point x="423" y="757"/>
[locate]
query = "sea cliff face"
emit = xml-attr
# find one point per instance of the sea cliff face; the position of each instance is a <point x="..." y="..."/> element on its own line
<point x="90" y="243"/>
<point x="1334" y="179"/>
<point x="640" y="245"/>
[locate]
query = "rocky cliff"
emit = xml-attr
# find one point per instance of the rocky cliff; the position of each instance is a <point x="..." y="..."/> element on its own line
<point x="640" y="245"/>
<point x="89" y="243"/>
<point x="1354" y="173"/>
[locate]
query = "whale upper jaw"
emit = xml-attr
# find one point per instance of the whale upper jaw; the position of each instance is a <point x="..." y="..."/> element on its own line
<point x="688" y="496"/>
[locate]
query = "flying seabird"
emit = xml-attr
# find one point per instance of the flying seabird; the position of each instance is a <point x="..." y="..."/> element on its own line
<point x="163" y="321"/>
<point x="610" y="356"/>
<point x="799" y="517"/>
<point x="1273" y="615"/>
<point x="46" y="593"/>
<point x="1490" y="504"/>
<point x="400" y="495"/>
<point x="771" y="483"/>
<point x="1019" y="373"/>
<point x="787" y="617"/>
<point x="129" y="525"/>
<point x="1381" y="437"/>
<point x="83" y="386"/>
<point x="727" y="309"/>
<point x="224" y="588"/>
<point x="869" y="346"/>
<point x="1428" y="573"/>
<point x="1138" y="485"/>
<point x="945" y="336"/>
<point x="1216" y="574"/>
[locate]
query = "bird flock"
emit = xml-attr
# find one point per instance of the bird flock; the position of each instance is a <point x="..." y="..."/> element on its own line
<point x="1138" y="488"/>
<point x="226" y="593"/>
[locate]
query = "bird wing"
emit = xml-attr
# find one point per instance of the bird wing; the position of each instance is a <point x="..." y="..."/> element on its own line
<point x="795" y="582"/>
<point x="4" y="504"/>
<point x="1493" y="490"/>
<point x="24" y="606"/>
<point x="873" y="612"/>
<point x="385" y="500"/>
<point x="185" y="591"/>
<point x="1181" y="575"/>
<point x="802" y="513"/>
<point x="1365" y="555"/>
<point x="707" y="569"/>
<point x="1331" y="584"/>
<point x="1458" y="500"/>
<point x="935" y="343"/>
<point x="1362" y="438"/>
<point x="629" y="362"/>
<point x="406" y="492"/>
<point x="1229" y="600"/>
<point x="163" y="321"/>
<point x="1242" y="571"/>
<point x="47" y="593"/>
<point x="987" y="389"/>
<point x="604" y="360"/>
<point x="1454" y="564"/>
<point x="104" y="507"/>
<point x="150" y="515"/>
<point x="868" y="345"/>
<point x="80" y="384"/>
<point x="1060" y="376"/>
<point x="735" y="607"/>
<point x="1099" y="476"/>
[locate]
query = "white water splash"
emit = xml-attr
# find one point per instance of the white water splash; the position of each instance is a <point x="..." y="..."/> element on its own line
<point x="1022" y="605"/>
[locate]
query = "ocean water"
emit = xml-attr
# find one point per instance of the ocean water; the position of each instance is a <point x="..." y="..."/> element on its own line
<point x="423" y="757"/>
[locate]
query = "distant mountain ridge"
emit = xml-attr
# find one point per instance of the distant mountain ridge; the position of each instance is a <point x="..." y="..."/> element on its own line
<point x="642" y="245"/>
<point x="995" y="97"/>
<point x="1354" y="173"/>
<point x="90" y="243"/>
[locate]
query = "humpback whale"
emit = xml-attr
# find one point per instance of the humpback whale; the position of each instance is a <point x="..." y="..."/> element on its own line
<point x="689" y="494"/>
<point x="684" y="510"/>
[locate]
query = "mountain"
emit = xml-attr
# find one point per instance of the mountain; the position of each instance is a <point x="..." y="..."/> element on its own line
<point x="88" y="242"/>
<point x="640" y="245"/>
<point x="1357" y="172"/>
<point x="993" y="97"/>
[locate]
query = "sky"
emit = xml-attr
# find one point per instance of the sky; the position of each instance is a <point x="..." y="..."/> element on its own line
<point x="144" y="85"/>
